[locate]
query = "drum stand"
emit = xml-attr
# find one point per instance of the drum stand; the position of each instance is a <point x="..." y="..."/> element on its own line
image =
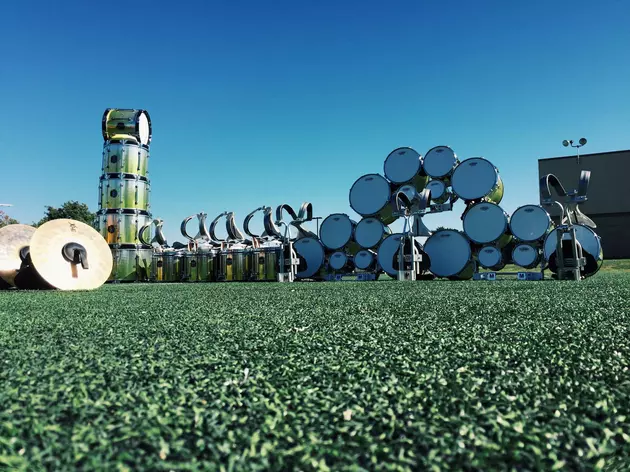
<point x="419" y="228"/>
<point x="410" y="265"/>
<point x="288" y="257"/>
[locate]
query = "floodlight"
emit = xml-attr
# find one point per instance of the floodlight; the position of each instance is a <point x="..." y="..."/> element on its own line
<point x="582" y="141"/>
<point x="565" y="143"/>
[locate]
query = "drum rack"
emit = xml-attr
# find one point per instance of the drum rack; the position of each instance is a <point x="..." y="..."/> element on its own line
<point x="360" y="277"/>
<point x="521" y="275"/>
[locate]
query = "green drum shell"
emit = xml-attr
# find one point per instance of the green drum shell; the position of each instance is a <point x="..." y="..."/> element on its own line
<point x="124" y="191"/>
<point x="125" y="158"/>
<point x="265" y="263"/>
<point x="386" y="215"/>
<point x="496" y="195"/>
<point x="167" y="267"/>
<point x="131" y="264"/>
<point x="118" y="121"/>
<point x="206" y="267"/>
<point x="233" y="265"/>
<point x="122" y="227"/>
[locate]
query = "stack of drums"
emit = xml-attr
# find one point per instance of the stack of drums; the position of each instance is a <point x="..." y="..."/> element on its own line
<point x="124" y="192"/>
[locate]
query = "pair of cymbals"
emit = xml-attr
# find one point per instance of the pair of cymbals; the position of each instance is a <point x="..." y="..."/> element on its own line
<point x="63" y="254"/>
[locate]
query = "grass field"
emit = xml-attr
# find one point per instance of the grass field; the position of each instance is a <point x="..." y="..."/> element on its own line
<point x="391" y="376"/>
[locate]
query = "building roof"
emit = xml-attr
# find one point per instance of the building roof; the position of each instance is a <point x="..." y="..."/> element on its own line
<point x="586" y="155"/>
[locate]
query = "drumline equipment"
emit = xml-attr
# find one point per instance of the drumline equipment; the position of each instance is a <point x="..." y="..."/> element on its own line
<point x="530" y="223"/>
<point x="450" y="254"/>
<point x="340" y="262"/>
<point x="365" y="260"/>
<point x="122" y="226"/>
<point x="233" y="265"/>
<point x="199" y="267"/>
<point x="487" y="223"/>
<point x="370" y="231"/>
<point x="477" y="179"/>
<point x="14" y="245"/>
<point x="124" y="191"/>
<point x="526" y="255"/>
<point x="440" y="162"/>
<point x="491" y="257"/>
<point x="131" y="122"/>
<point x="388" y="254"/>
<point x="125" y="158"/>
<point x="404" y="166"/>
<point x="167" y="266"/>
<point x="131" y="263"/>
<point x="265" y="263"/>
<point x="371" y="195"/>
<point x="591" y="247"/>
<point x="336" y="231"/>
<point x="440" y="192"/>
<point x="311" y="256"/>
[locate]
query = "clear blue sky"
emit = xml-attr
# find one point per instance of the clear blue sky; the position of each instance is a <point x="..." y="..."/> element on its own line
<point x="258" y="103"/>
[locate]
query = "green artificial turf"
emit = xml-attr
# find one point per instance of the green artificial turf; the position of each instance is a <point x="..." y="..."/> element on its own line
<point x="348" y="376"/>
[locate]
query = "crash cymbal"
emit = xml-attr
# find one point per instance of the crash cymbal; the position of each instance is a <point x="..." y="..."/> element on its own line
<point x="71" y="255"/>
<point x="13" y="239"/>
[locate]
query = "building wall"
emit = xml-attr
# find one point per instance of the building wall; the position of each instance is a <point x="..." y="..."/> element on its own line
<point x="608" y="203"/>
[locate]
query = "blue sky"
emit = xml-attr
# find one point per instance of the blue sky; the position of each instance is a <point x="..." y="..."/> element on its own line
<point x="262" y="103"/>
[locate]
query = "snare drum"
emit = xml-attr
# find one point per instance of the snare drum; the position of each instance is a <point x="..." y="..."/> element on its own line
<point x="265" y="263"/>
<point x="311" y="256"/>
<point x="591" y="248"/>
<point x="369" y="232"/>
<point x="477" y="179"/>
<point x="526" y="255"/>
<point x="530" y="223"/>
<point x="491" y="257"/>
<point x="440" y="162"/>
<point x="365" y="260"/>
<point x="371" y="195"/>
<point x="336" y="231"/>
<point x="404" y="166"/>
<point x="450" y="254"/>
<point x="122" y="226"/>
<point x="124" y="158"/>
<point x="389" y="250"/>
<point x="131" y="264"/>
<point x="124" y="191"/>
<point x="233" y="265"/>
<point x="439" y="191"/>
<point x="136" y="123"/>
<point x="487" y="223"/>
<point x="167" y="266"/>
<point x="340" y="262"/>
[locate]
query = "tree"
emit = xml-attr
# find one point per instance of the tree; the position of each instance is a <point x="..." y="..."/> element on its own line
<point x="72" y="210"/>
<point x="6" y="220"/>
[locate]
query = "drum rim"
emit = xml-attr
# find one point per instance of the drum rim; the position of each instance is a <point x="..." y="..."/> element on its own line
<point x="497" y="178"/>
<point x="321" y="226"/>
<point x="137" y="112"/>
<point x="344" y="255"/>
<point x="444" y="186"/>
<point x="420" y="165"/>
<point x="551" y="223"/>
<point x="123" y="143"/>
<point x="457" y="162"/>
<point x="372" y="254"/>
<point x="124" y="211"/>
<point x="505" y="227"/>
<point x="468" y="248"/>
<point x="323" y="254"/>
<point x="387" y="201"/>
<point x="130" y="246"/>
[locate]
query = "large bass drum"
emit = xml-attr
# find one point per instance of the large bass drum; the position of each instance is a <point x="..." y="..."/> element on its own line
<point x="591" y="248"/>
<point x="527" y="255"/>
<point x="265" y="263"/>
<point x="311" y="255"/>
<point x="389" y="250"/>
<point x="530" y="223"/>
<point x="122" y="226"/>
<point x="404" y="166"/>
<point x="124" y="191"/>
<point x="486" y="223"/>
<point x="477" y="179"/>
<point x="365" y="260"/>
<point x="336" y="232"/>
<point x="371" y="195"/>
<point x="120" y="121"/>
<point x="370" y="231"/>
<point x="439" y="191"/>
<point x="440" y="162"/>
<point x="125" y="158"/>
<point x="131" y="264"/>
<point x="450" y="254"/>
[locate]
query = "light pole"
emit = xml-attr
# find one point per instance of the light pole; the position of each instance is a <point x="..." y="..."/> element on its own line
<point x="581" y="142"/>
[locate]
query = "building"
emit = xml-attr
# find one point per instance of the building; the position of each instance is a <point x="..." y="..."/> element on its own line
<point x="608" y="203"/>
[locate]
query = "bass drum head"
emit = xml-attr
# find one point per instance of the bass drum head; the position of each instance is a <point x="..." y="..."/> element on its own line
<point x="485" y="222"/>
<point x="526" y="256"/>
<point x="338" y="260"/>
<point x="474" y="178"/>
<point x="402" y="165"/>
<point x="439" y="161"/>
<point x="386" y="252"/>
<point x="369" y="232"/>
<point x="590" y="242"/>
<point x="369" y="194"/>
<point x="364" y="259"/>
<point x="530" y="223"/>
<point x="336" y="231"/>
<point x="490" y="257"/>
<point x="311" y="254"/>
<point x="449" y="252"/>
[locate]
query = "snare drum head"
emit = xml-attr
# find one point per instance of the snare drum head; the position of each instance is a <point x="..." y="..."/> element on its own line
<point x="490" y="256"/>
<point x="530" y="223"/>
<point x="402" y="165"/>
<point x="449" y="252"/>
<point x="524" y="255"/>
<point x="587" y="238"/>
<point x="364" y="259"/>
<point x="312" y="251"/>
<point x="474" y="178"/>
<point x="369" y="194"/>
<point x="439" y="161"/>
<point x="369" y="232"/>
<point x="338" y="260"/>
<point x="336" y="231"/>
<point x="485" y="222"/>
<point x="437" y="188"/>
<point x="387" y="251"/>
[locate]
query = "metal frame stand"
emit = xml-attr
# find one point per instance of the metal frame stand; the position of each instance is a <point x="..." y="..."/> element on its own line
<point x="291" y="262"/>
<point x="569" y="268"/>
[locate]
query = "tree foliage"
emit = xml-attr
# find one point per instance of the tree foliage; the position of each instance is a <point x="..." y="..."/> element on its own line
<point x="71" y="209"/>
<point x="6" y="220"/>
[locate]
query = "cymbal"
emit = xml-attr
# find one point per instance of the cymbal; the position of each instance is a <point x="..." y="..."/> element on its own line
<point x="71" y="255"/>
<point x="13" y="238"/>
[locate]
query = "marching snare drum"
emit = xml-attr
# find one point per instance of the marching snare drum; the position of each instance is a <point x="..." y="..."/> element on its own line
<point x="439" y="191"/>
<point x="124" y="158"/>
<point x="591" y="248"/>
<point x="131" y="264"/>
<point x="311" y="256"/>
<point x="487" y="223"/>
<point x="369" y="232"/>
<point x="491" y="257"/>
<point x="136" y="123"/>
<point x="340" y="262"/>
<point x="371" y="195"/>
<point x="450" y="254"/>
<point x="440" y="162"/>
<point x="526" y="256"/>
<point x="365" y="260"/>
<point x="233" y="265"/>
<point x="476" y="179"/>
<point x="265" y="263"/>
<point x="167" y="266"/>
<point x="124" y="191"/>
<point x="530" y="223"/>
<point x="404" y="166"/>
<point x="388" y="253"/>
<point x="122" y="226"/>
<point x="336" y="231"/>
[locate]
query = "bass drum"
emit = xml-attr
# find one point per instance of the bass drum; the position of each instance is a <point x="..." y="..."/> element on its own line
<point x="311" y="255"/>
<point x="122" y="226"/>
<point x="530" y="223"/>
<point x="340" y="262"/>
<point x="450" y="254"/>
<point x="591" y="248"/>
<point x="440" y="162"/>
<point x="265" y="263"/>
<point x="167" y="267"/>
<point x="389" y="250"/>
<point x="131" y="264"/>
<point x="486" y="223"/>
<point x="439" y="191"/>
<point x="125" y="158"/>
<point x="124" y="191"/>
<point x="365" y="260"/>
<point x="336" y="231"/>
<point x="404" y="166"/>
<point x="371" y="195"/>
<point x="136" y="123"/>
<point x="370" y="231"/>
<point x="491" y="257"/>
<point x="477" y="179"/>
<point x="526" y="256"/>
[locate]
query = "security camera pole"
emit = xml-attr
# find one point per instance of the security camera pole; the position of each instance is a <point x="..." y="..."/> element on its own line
<point x="582" y="142"/>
